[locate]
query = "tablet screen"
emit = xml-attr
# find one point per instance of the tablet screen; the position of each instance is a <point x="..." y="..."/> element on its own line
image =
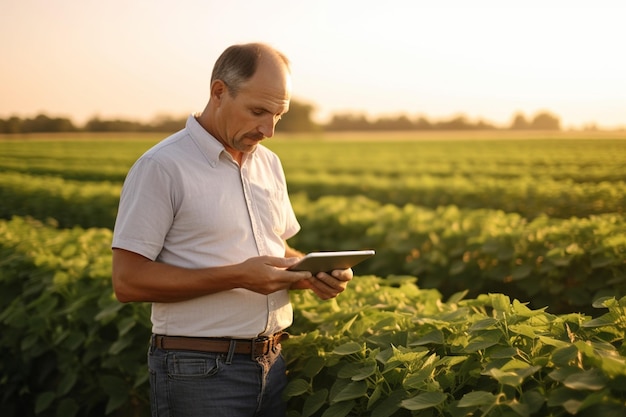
<point x="328" y="261"/>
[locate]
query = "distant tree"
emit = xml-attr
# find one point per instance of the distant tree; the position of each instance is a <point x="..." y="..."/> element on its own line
<point x="298" y="118"/>
<point x="14" y="125"/>
<point x="545" y="121"/>
<point x="401" y="122"/>
<point x="483" y="125"/>
<point x="456" y="123"/>
<point x="166" y="123"/>
<point x="359" y="122"/>
<point x="348" y="121"/>
<point x="423" y="124"/>
<point x="11" y="125"/>
<point x="519" y="122"/>
<point x="43" y="124"/>
<point x="96" y="125"/>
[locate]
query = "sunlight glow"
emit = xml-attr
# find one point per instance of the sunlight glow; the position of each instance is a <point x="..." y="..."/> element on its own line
<point x="137" y="59"/>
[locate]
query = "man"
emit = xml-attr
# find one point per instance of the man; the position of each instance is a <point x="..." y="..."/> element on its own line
<point x="201" y="233"/>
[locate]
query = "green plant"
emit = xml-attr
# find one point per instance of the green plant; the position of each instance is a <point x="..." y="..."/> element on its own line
<point x="74" y="350"/>
<point x="388" y="348"/>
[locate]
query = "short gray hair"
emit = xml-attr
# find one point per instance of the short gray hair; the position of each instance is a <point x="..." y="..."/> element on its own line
<point x="238" y="63"/>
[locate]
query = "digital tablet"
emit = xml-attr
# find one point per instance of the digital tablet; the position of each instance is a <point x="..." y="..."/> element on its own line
<point x="328" y="261"/>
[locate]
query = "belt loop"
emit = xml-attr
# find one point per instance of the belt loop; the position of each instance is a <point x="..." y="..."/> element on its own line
<point x="253" y="354"/>
<point x="275" y="342"/>
<point x="231" y="352"/>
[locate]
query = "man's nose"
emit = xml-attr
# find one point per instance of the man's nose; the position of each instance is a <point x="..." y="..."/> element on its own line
<point x="267" y="129"/>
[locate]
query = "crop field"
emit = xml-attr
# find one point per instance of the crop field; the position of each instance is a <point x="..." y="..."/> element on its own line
<point x="498" y="287"/>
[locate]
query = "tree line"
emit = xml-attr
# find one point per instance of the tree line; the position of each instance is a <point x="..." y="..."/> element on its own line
<point x="298" y="119"/>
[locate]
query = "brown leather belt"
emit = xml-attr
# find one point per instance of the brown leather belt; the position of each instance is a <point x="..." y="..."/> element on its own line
<point x="256" y="347"/>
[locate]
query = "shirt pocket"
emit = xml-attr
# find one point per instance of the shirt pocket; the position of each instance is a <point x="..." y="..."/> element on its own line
<point x="276" y="207"/>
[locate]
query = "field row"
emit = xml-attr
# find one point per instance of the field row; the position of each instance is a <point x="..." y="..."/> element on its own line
<point x="94" y="203"/>
<point x="527" y="196"/>
<point x="386" y="347"/>
<point x="563" y="263"/>
<point x="577" y="160"/>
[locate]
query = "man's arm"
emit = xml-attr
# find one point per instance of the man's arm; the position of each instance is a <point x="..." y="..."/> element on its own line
<point x="137" y="278"/>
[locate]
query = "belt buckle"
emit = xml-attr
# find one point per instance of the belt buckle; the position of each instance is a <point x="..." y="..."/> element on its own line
<point x="265" y="343"/>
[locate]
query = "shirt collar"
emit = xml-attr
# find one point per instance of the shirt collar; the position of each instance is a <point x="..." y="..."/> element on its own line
<point x="211" y="147"/>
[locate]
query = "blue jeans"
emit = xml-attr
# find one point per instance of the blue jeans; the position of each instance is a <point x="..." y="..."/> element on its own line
<point x="195" y="384"/>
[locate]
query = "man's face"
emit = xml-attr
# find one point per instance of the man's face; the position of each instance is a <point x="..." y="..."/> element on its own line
<point x="252" y="114"/>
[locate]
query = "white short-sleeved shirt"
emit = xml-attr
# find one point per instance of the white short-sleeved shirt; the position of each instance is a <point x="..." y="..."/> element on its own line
<point x="186" y="202"/>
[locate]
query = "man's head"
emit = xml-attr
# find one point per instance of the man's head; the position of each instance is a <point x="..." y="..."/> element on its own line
<point x="238" y="63"/>
<point x="250" y="91"/>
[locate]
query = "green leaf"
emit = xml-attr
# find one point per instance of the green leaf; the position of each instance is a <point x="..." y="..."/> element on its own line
<point x="500" y="302"/>
<point x="341" y="409"/>
<point x="504" y="352"/>
<point x="457" y="267"/>
<point x="109" y="312"/>
<point x="386" y="322"/>
<point x="120" y="344"/>
<point x="506" y="378"/>
<point x="561" y="373"/>
<point x="346" y="327"/>
<point x="604" y="302"/>
<point x="564" y="355"/>
<point x="313" y="366"/>
<point x="533" y="399"/>
<point x="483" y="341"/>
<point x="483" y="324"/>
<point x="434" y="337"/>
<point x="296" y="387"/>
<point x="591" y="380"/>
<point x="456" y="297"/>
<point x="352" y="391"/>
<point x="348" y="348"/>
<point x="365" y="371"/>
<point x="608" y="319"/>
<point x="314" y="402"/>
<point x="68" y="408"/>
<point x="570" y="400"/>
<point x="524" y="330"/>
<point x="521" y="272"/>
<point x="478" y="399"/>
<point x="424" y="401"/>
<point x="374" y="397"/>
<point x="43" y="401"/>
<point x="67" y="382"/>
<point x="74" y="340"/>
<point x="512" y="378"/>
<point x="520" y="409"/>
<point x="125" y="325"/>
<point x="390" y="405"/>
<point x="116" y="389"/>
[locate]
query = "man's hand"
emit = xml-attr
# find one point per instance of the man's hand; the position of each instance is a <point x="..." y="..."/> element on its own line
<point x="267" y="274"/>
<point x="327" y="286"/>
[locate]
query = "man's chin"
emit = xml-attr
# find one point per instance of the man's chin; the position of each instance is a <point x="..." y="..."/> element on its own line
<point x="251" y="144"/>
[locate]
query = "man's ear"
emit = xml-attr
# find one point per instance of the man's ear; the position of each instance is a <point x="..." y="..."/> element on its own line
<point x="218" y="89"/>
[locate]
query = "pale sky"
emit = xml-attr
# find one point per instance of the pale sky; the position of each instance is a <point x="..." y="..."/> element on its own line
<point x="485" y="59"/>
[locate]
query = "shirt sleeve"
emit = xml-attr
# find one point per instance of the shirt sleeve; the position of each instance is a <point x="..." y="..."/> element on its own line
<point x="146" y="209"/>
